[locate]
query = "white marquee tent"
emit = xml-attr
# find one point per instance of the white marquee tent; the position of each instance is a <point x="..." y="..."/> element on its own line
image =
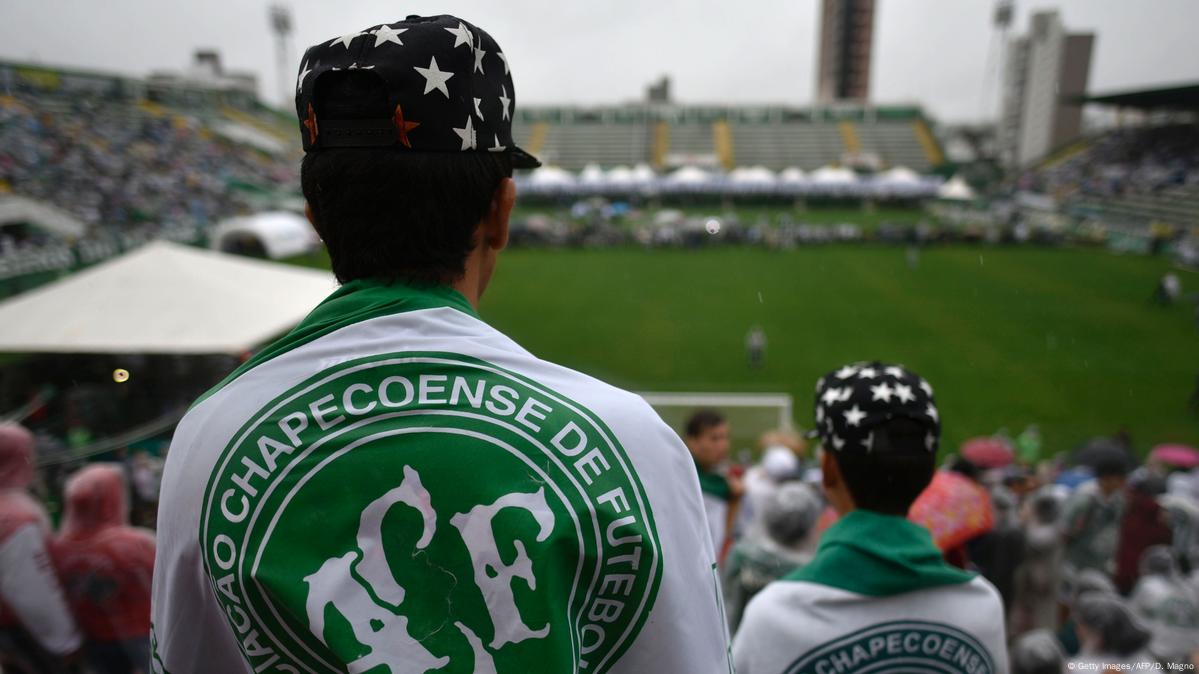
<point x="900" y="175"/>
<point x="793" y="175"/>
<point x="956" y="190"/>
<point x="280" y="233"/>
<point x="163" y="298"/>
<point x="833" y="174"/>
<point x="752" y="175"/>
<point x="551" y="176"/>
<point x="688" y="175"/>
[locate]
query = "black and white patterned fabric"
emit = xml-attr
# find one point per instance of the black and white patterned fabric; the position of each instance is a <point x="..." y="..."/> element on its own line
<point x="855" y="399"/>
<point x="448" y="84"/>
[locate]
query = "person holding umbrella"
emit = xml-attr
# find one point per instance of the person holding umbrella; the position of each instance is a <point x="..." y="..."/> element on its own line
<point x="878" y="595"/>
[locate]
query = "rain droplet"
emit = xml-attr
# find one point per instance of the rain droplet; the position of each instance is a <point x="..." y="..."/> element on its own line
<point x="980" y="260"/>
<point x="760" y="297"/>
<point x="120" y="375"/>
<point x="712" y="225"/>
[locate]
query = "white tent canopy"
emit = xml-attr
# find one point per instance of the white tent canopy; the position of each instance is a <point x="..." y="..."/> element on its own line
<point x="955" y="190"/>
<point x="792" y="174"/>
<point x="280" y="233"/>
<point x="833" y="174"/>
<point x="620" y="175"/>
<point x="901" y="175"/>
<point x="591" y="174"/>
<point x="643" y="173"/>
<point x="163" y="298"/>
<point x="688" y="175"/>
<point x="551" y="175"/>
<point x="752" y="175"/>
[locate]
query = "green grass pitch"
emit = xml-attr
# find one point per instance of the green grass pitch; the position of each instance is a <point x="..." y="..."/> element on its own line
<point x="1064" y="338"/>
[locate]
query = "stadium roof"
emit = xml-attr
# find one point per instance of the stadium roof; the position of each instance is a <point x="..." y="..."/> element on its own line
<point x="163" y="298"/>
<point x="1179" y="97"/>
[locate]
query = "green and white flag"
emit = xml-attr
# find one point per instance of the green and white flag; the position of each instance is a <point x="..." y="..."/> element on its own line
<point x="396" y="487"/>
<point x="877" y="597"/>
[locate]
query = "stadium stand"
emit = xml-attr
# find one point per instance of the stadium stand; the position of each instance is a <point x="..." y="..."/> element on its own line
<point x="1136" y="175"/>
<point x="724" y="137"/>
<point x="692" y="139"/>
<point x="94" y="147"/>
<point x="1141" y="174"/>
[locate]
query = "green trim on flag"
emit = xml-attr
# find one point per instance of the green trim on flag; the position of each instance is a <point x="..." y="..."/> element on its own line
<point x="878" y="555"/>
<point x="353" y="302"/>
<point x="156" y="666"/>
<point x="714" y="484"/>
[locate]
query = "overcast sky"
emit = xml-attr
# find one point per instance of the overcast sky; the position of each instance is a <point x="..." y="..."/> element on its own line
<point x="934" y="52"/>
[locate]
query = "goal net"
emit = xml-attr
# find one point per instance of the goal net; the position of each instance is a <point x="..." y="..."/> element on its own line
<point x="749" y="414"/>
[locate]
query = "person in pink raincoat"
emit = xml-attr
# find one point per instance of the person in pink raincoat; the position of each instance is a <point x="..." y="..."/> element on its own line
<point x="107" y="568"/>
<point x="37" y="632"/>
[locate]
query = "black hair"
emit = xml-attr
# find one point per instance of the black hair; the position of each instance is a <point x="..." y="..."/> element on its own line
<point x="899" y="466"/>
<point x="1046" y="508"/>
<point x="1111" y="467"/>
<point x="388" y="214"/>
<point x="965" y="467"/>
<point x="702" y="420"/>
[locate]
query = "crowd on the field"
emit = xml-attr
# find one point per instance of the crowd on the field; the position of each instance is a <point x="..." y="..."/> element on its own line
<point x="1095" y="557"/>
<point x="1124" y="161"/>
<point x="112" y="164"/>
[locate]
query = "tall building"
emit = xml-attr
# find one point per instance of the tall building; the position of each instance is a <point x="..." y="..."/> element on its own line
<point x="1044" y="71"/>
<point x="846" y="37"/>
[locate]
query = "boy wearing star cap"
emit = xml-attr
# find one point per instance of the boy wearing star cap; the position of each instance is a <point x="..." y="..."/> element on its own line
<point x="395" y="487"/>
<point x="878" y="596"/>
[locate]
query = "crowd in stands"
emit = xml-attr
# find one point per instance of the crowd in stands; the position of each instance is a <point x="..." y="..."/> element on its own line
<point x="1123" y="162"/>
<point x="116" y="165"/>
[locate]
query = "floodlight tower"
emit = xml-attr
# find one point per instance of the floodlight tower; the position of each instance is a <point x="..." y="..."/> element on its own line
<point x="1001" y="23"/>
<point x="280" y="16"/>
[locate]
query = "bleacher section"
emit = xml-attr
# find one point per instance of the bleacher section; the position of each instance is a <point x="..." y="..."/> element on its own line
<point x="778" y="145"/>
<point x="1135" y="175"/>
<point x="774" y="137"/>
<point x="691" y="139"/>
<point x="898" y="142"/>
<point x="577" y="144"/>
<point x="1178" y="206"/>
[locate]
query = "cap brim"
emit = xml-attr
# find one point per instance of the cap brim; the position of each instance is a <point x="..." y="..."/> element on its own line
<point x="523" y="160"/>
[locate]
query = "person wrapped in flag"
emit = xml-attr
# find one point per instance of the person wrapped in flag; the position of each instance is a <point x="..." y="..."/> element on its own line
<point x="706" y="434"/>
<point x="878" y="595"/>
<point x="396" y="487"/>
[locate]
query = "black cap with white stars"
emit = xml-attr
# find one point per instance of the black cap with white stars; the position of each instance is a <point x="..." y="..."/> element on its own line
<point x="854" y="400"/>
<point x="448" y="86"/>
